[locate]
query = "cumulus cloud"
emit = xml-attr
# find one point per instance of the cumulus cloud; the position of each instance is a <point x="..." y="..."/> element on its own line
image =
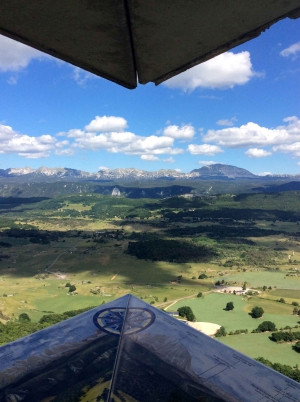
<point x="257" y="153"/>
<point x="227" y="122"/>
<point x="97" y="135"/>
<point x="14" y="56"/>
<point x="204" y="149"/>
<point x="293" y="50"/>
<point x="251" y="134"/>
<point x="103" y="168"/>
<point x="149" y="158"/>
<point x="107" y="132"/>
<point x="186" y="132"/>
<point x="221" y="72"/>
<point x="106" y="124"/>
<point x="293" y="148"/>
<point x="126" y="143"/>
<point x="207" y="163"/>
<point x="24" y="145"/>
<point x="169" y="160"/>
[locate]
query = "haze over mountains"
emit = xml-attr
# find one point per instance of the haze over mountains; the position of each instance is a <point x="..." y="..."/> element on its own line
<point x="216" y="171"/>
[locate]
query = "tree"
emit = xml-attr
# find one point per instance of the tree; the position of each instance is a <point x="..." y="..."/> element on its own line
<point x="281" y="300"/>
<point x="165" y="299"/>
<point x="245" y="286"/>
<point x="199" y="294"/>
<point x="186" y="312"/>
<point x="257" y="312"/>
<point x="294" y="303"/>
<point x="202" y="276"/>
<point x="295" y="311"/>
<point x="72" y="288"/>
<point x="265" y="288"/>
<point x="266" y="326"/>
<point x="229" y="306"/>
<point x="297" y="346"/>
<point x="24" y="317"/>
<point x="67" y="285"/>
<point x="221" y="332"/>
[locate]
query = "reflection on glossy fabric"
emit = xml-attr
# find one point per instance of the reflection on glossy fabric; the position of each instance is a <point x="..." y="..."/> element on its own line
<point x="128" y="351"/>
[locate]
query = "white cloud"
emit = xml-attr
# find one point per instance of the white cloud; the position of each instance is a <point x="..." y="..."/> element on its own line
<point x="65" y="152"/>
<point x="82" y="76"/>
<point x="103" y="168"/>
<point x="149" y="158"/>
<point x="206" y="163"/>
<point x="169" y="160"/>
<point x="205" y="149"/>
<point x="186" y="132"/>
<point x="106" y="124"/>
<point x="251" y="134"/>
<point x="210" y="97"/>
<point x="257" y="153"/>
<point x="264" y="174"/>
<point x="12" y="80"/>
<point x="14" y="56"/>
<point x="178" y="170"/>
<point x="118" y="141"/>
<point x="227" y="122"/>
<point x="224" y="71"/>
<point x="124" y="142"/>
<point x="292" y="50"/>
<point x="24" y="145"/>
<point x="293" y="148"/>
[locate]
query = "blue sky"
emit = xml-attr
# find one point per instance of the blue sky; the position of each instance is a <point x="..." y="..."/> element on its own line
<point x="241" y="108"/>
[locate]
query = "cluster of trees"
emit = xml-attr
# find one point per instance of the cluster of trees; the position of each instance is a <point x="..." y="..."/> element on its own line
<point x="238" y="331"/>
<point x="296" y="310"/>
<point x="34" y="235"/>
<point x="229" y="306"/>
<point x="257" y="312"/>
<point x="72" y="288"/>
<point x="5" y="244"/>
<point x="24" y="326"/>
<point x="222" y="232"/>
<point x="169" y="250"/>
<point x="281" y="300"/>
<point x="284" y="369"/>
<point x="219" y="283"/>
<point x="221" y="332"/>
<point x="265" y="326"/>
<point x="283" y="336"/>
<point x="187" y="313"/>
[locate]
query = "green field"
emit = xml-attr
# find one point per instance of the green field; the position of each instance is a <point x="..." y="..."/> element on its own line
<point x="84" y="239"/>
<point x="262" y="277"/>
<point x="211" y="309"/>
<point x="88" y="266"/>
<point x="259" y="345"/>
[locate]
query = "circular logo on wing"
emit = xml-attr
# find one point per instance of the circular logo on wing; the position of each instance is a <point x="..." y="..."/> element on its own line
<point x="111" y="320"/>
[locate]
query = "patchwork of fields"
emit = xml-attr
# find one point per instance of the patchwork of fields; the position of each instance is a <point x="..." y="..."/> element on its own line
<point x="107" y="247"/>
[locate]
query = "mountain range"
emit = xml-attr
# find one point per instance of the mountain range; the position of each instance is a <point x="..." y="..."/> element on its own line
<point x="216" y="171"/>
